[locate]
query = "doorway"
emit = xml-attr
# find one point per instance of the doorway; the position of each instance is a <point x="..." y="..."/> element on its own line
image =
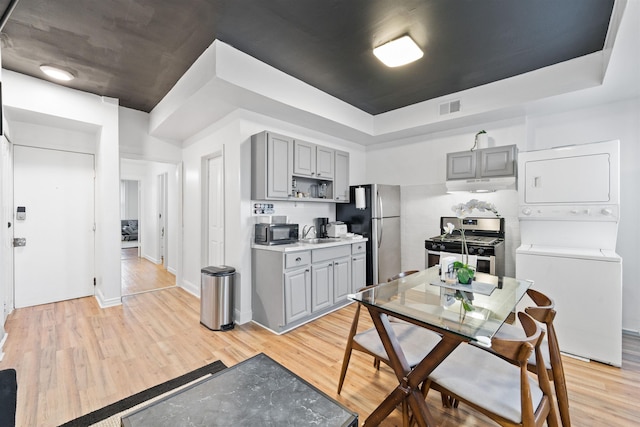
<point x="130" y="214"/>
<point x="152" y="265"/>
<point x="55" y="217"/>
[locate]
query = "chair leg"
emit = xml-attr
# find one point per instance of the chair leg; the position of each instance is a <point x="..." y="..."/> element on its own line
<point x="345" y="365"/>
<point x="376" y="363"/>
<point x="562" y="397"/>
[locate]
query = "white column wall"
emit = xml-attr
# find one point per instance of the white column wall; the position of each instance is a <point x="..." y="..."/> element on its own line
<point x="43" y="98"/>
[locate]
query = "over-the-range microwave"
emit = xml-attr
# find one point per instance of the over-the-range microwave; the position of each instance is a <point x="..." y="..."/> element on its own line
<point x="276" y="234"/>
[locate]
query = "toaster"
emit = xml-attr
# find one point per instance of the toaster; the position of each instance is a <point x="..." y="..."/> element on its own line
<point x="336" y="229"/>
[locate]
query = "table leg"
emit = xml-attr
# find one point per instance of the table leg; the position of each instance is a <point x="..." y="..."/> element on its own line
<point x="409" y="380"/>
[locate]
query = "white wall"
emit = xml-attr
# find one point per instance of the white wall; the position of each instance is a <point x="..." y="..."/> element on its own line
<point x="136" y="143"/>
<point x="232" y="136"/>
<point x="41" y="100"/>
<point x="419" y="167"/>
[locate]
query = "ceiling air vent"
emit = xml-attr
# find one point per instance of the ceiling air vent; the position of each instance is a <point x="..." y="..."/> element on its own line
<point x="450" y="107"/>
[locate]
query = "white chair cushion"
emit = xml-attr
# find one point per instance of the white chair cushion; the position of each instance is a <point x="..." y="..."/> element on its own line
<point x="486" y="380"/>
<point x="508" y="331"/>
<point x="416" y="342"/>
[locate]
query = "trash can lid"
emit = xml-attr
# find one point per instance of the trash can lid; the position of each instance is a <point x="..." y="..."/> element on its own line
<point x="219" y="270"/>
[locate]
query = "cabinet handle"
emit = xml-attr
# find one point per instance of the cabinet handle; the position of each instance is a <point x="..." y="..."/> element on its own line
<point x="298" y="259"/>
<point x="307" y="270"/>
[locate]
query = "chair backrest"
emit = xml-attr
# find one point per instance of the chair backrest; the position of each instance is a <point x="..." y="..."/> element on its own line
<point x="517" y="352"/>
<point x="401" y="275"/>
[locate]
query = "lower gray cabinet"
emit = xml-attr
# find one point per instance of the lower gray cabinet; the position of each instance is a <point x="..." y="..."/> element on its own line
<point x="341" y="279"/>
<point x="297" y="294"/>
<point x="358" y="272"/>
<point x="322" y="289"/>
<point x="291" y="288"/>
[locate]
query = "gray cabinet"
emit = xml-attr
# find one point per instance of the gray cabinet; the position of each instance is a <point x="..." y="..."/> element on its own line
<point x="341" y="177"/>
<point x="497" y="161"/>
<point x="297" y="294"/>
<point x="272" y="166"/>
<point x="461" y="165"/>
<point x="482" y="163"/>
<point x="324" y="162"/>
<point x="304" y="158"/>
<point x="322" y="279"/>
<point x="291" y="288"/>
<point x="284" y="168"/>
<point x="341" y="279"/>
<point x="313" y="160"/>
<point x="358" y="266"/>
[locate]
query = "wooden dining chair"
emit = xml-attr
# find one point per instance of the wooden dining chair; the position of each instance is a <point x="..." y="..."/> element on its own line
<point x="544" y="312"/>
<point x="416" y="342"/>
<point x="496" y="382"/>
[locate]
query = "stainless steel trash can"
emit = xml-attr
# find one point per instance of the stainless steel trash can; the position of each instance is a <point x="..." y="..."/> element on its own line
<point x="216" y="297"/>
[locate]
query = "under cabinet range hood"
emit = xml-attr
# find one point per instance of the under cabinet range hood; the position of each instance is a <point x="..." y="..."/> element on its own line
<point x="483" y="170"/>
<point x="481" y="185"/>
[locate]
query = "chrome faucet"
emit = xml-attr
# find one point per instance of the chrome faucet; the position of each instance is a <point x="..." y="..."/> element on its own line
<point x="306" y="230"/>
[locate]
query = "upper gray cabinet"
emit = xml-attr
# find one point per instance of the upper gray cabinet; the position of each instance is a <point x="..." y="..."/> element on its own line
<point x="482" y="163"/>
<point x="272" y="163"/>
<point x="313" y="160"/>
<point x="341" y="179"/>
<point x="287" y="168"/>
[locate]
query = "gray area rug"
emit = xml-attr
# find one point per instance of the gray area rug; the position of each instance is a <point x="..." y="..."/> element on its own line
<point x="111" y="414"/>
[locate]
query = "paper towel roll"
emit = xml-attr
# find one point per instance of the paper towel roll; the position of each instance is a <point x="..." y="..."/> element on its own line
<point x="360" y="201"/>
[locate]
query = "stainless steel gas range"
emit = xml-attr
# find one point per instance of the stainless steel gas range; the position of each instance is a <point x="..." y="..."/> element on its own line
<point x="484" y="237"/>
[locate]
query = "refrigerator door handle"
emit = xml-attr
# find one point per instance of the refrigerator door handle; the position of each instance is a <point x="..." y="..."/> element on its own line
<point x="381" y="228"/>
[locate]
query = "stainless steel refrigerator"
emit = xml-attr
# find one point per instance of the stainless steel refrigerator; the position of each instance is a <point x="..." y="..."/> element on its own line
<point x="379" y="221"/>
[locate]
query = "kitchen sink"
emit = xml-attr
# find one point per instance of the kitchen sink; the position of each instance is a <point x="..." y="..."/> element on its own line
<point x="318" y="240"/>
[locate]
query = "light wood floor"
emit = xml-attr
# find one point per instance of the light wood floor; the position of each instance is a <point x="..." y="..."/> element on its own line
<point x="141" y="275"/>
<point x="73" y="357"/>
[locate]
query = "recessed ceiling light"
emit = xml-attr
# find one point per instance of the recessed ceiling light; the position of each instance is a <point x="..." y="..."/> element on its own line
<point x="57" y="73"/>
<point x="398" y="52"/>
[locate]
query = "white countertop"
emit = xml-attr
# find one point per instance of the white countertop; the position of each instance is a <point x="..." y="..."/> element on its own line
<point x="301" y="246"/>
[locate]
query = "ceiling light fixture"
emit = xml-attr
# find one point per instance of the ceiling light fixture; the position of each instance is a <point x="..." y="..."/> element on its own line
<point x="398" y="52"/>
<point x="57" y="73"/>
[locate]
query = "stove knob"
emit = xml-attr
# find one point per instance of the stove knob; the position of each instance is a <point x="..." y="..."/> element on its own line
<point x="471" y="249"/>
<point x="442" y="247"/>
<point x="480" y="251"/>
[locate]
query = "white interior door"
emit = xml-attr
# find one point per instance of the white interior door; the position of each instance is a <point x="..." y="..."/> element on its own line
<point x="215" y="211"/>
<point x="56" y="190"/>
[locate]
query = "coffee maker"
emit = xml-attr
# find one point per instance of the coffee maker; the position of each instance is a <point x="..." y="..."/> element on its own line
<point x="321" y="227"/>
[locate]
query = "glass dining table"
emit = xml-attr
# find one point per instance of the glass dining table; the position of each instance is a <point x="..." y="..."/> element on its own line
<point x="459" y="313"/>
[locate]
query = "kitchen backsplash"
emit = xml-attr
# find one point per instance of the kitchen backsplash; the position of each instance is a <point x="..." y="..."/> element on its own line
<point x="423" y="205"/>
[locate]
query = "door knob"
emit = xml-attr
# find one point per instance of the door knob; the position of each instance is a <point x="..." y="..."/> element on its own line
<point x="19" y="241"/>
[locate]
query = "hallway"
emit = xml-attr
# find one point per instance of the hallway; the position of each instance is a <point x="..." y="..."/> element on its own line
<point x="141" y="275"/>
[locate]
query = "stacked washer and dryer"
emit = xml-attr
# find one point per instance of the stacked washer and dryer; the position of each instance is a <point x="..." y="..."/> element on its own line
<point x="569" y="201"/>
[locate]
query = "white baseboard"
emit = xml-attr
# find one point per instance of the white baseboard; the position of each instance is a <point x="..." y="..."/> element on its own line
<point x="631" y="332"/>
<point x="191" y="288"/>
<point x="153" y="260"/>
<point x="107" y="302"/>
